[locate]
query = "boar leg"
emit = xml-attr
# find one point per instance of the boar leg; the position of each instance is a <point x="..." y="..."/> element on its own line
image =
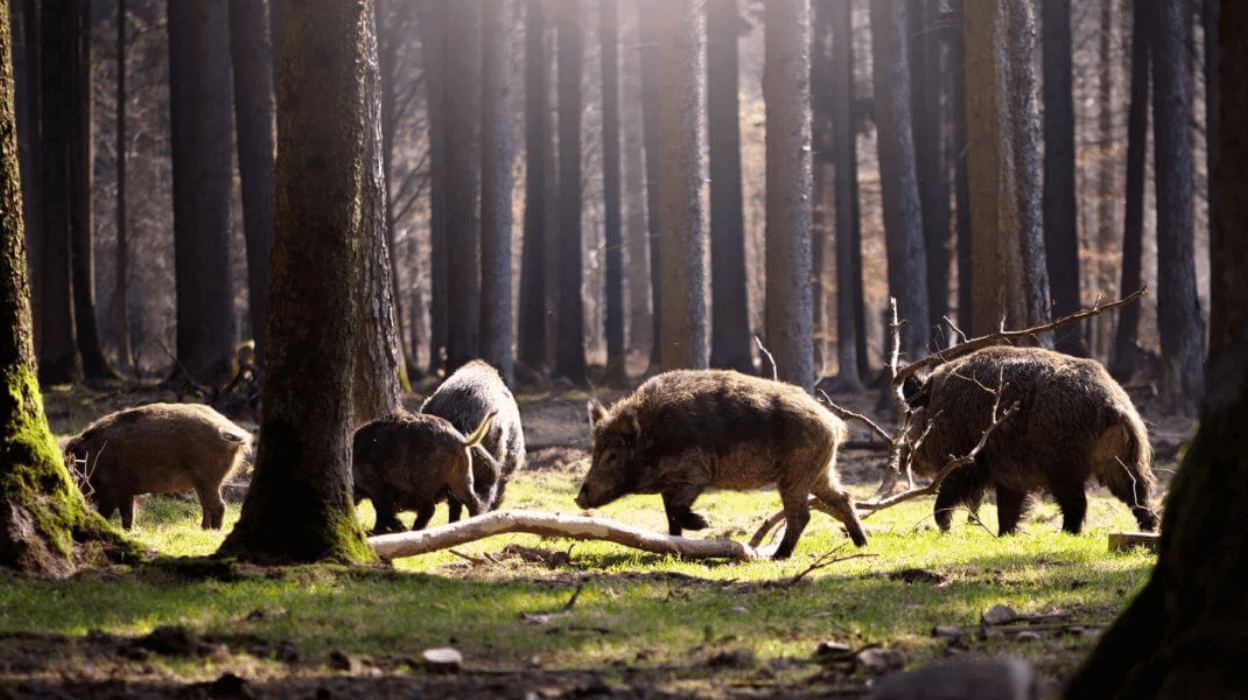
<point x="678" y="504"/>
<point x="1010" y="507"/>
<point x="964" y="486"/>
<point x="127" y="512"/>
<point x="842" y="507"/>
<point x="387" y="519"/>
<point x="1074" y="504"/>
<point x="425" y="513"/>
<point x="212" y="504"/>
<point x="454" y="510"/>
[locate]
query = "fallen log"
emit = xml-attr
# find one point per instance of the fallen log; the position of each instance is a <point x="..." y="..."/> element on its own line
<point x="409" y="544"/>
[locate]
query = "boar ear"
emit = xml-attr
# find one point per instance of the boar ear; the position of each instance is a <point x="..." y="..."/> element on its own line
<point x="915" y="391"/>
<point x="596" y="413"/>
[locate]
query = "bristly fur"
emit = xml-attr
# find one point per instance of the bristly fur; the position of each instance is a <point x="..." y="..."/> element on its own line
<point x="1074" y="423"/>
<point x="688" y="430"/>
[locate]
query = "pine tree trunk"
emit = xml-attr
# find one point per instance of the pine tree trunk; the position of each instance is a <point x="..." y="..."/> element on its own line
<point x="255" y="120"/>
<point x="433" y="27"/>
<point x="928" y="128"/>
<point x="532" y="328"/>
<point x="649" y="12"/>
<point x="497" y="156"/>
<point x="299" y="507"/>
<point x="461" y="110"/>
<point x="961" y="179"/>
<point x="637" y="235"/>
<point x="682" y="232"/>
<point x="1123" y="360"/>
<point x="850" y="315"/>
<point x="121" y="299"/>
<point x="611" y="172"/>
<point x="730" y="304"/>
<point x="570" y="339"/>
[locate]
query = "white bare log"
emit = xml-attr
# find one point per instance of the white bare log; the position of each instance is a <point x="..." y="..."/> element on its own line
<point x="408" y="544"/>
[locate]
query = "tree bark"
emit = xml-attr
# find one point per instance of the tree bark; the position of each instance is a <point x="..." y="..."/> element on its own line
<point x="299" y="507"/>
<point x="1123" y="360"/>
<point x="497" y="156"/>
<point x="59" y="359"/>
<point x="928" y="128"/>
<point x="611" y="172"/>
<point x="649" y="12"/>
<point x="683" y="237"/>
<point x="961" y="179"/>
<point x="1179" y="318"/>
<point x="45" y="525"/>
<point x="255" y="120"/>
<point x="27" y="91"/>
<point x="1009" y="277"/>
<point x="570" y="339"/>
<point x="121" y="299"/>
<point x="1060" y="210"/>
<point x="461" y="110"/>
<point x="532" y="331"/>
<point x="903" y="216"/>
<point x="433" y="24"/>
<point x="636" y="233"/>
<point x="1183" y="635"/>
<point x="730" y="303"/>
<point x="199" y="84"/>
<point x="850" y="314"/>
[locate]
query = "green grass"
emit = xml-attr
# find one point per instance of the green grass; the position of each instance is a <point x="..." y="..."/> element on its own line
<point x="634" y="609"/>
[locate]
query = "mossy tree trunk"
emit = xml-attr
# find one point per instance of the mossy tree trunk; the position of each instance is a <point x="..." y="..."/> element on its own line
<point x="45" y="525"/>
<point x="1184" y="634"/>
<point x="299" y="507"/>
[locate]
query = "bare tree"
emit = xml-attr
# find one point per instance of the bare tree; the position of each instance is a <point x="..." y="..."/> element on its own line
<point x="682" y="233"/>
<point x="299" y="507"/>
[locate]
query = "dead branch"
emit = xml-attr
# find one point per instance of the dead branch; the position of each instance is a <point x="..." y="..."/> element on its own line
<point x="846" y="414"/>
<point x="408" y="544"/>
<point x="775" y="373"/>
<point x="825" y="560"/>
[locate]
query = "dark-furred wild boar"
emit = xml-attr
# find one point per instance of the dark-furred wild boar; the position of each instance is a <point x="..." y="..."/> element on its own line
<point x="412" y="461"/>
<point x="1074" y="423"/>
<point x="471" y="393"/>
<point x="688" y="430"/>
<point x="158" y="448"/>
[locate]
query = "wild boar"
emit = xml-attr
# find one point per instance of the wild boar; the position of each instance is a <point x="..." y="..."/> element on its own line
<point x="1074" y="423"/>
<point x="688" y="430"/>
<point x="158" y="448"/>
<point x="472" y="392"/>
<point x="413" y="461"/>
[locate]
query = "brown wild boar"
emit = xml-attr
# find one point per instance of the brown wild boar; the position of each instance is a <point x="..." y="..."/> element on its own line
<point x="412" y="461"/>
<point x="1074" y="423"/>
<point x="158" y="448"/>
<point x="684" y="431"/>
<point x="471" y="393"/>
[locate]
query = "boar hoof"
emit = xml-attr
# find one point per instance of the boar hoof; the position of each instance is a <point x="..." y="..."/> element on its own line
<point x="691" y="521"/>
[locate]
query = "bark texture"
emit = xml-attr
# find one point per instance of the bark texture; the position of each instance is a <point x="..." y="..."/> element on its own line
<point x="570" y="339"/>
<point x="609" y="28"/>
<point x="532" y="347"/>
<point x="497" y="156"/>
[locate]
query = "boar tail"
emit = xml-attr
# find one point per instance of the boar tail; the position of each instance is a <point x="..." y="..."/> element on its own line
<point x="479" y="434"/>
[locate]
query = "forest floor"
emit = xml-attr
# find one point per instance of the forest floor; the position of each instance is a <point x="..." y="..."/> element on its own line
<point x="180" y="626"/>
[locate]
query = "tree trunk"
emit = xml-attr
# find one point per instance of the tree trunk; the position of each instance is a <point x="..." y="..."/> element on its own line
<point x="611" y="171"/>
<point x="636" y="233"/>
<point x="94" y="364"/>
<point x="299" y="507"/>
<point x="461" y="110"/>
<point x="59" y="359"/>
<point x="497" y="156"/>
<point x="1183" y="635"/>
<point x="570" y="338"/>
<point x="277" y="31"/>
<point x="961" y="179"/>
<point x="1107" y="167"/>
<point x="255" y="122"/>
<point x="933" y="181"/>
<point x="1061" y="234"/>
<point x="730" y="303"/>
<point x="121" y="300"/>
<point x="199" y="84"/>
<point x="45" y="525"/>
<point x="1179" y="318"/>
<point x="392" y="31"/>
<point x="379" y="371"/>
<point x="683" y="239"/>
<point x="28" y="97"/>
<point x="850" y="314"/>
<point x="532" y="328"/>
<point x="433" y="27"/>
<point x="1010" y="282"/>
<point x="903" y="216"/>
<point x="823" y="176"/>
<point x="649" y="13"/>
<point x="1123" y="360"/>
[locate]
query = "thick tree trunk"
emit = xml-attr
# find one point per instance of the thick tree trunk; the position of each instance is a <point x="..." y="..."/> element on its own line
<point x="199" y="84"/>
<point x="461" y="110"/>
<point x="299" y="507"/>
<point x="497" y="156"/>
<point x="59" y="360"/>
<point x="730" y="304"/>
<point x="1123" y="360"/>
<point x="45" y="525"/>
<point x="1179" y="318"/>
<point x="27" y="91"/>
<point x="255" y="120"/>
<point x="570" y="339"/>
<point x="1061" y="234"/>
<point x="532" y="328"/>
<point x="1009" y="276"/>
<point x="683" y="236"/>
<point x="612" y="220"/>
<point x="850" y="315"/>
<point x="903" y="216"/>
